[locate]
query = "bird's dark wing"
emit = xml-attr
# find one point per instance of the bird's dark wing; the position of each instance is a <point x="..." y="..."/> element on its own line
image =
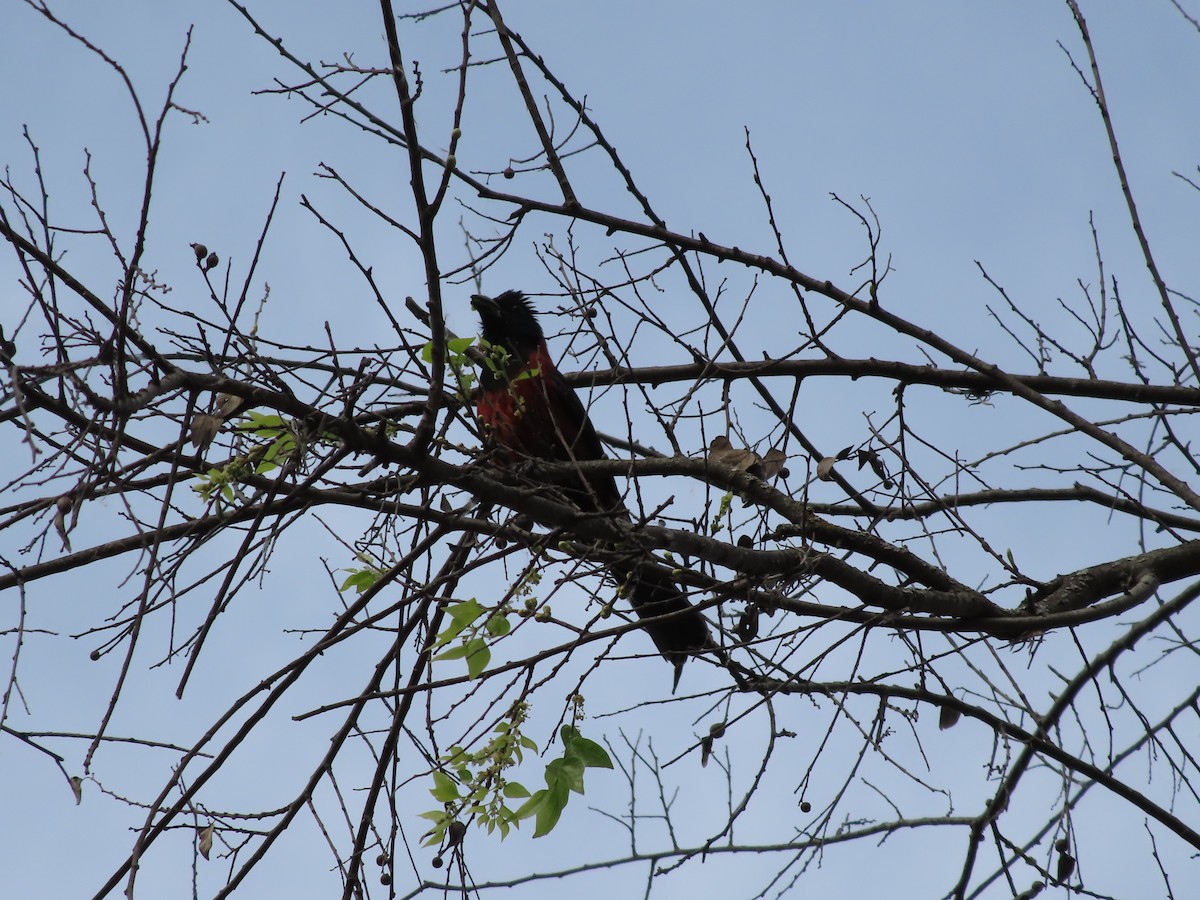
<point x="537" y="415"/>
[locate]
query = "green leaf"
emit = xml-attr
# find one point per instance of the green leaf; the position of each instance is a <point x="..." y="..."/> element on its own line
<point x="590" y="753"/>
<point x="514" y="791"/>
<point x="466" y="612"/>
<point x="454" y="652"/>
<point x="449" y="634"/>
<point x="456" y="346"/>
<point x="565" y="773"/>
<point x="427" y="352"/>
<point x="441" y="821"/>
<point x="478" y="656"/>
<point x="531" y="806"/>
<point x="461" y="616"/>
<point x="360" y="580"/>
<point x="550" y="811"/>
<point x="280" y="447"/>
<point x="262" y="424"/>
<point x="498" y="625"/>
<point x="444" y="787"/>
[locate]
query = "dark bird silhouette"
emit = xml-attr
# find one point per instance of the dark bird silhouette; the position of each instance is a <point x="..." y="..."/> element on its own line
<point x="530" y="412"/>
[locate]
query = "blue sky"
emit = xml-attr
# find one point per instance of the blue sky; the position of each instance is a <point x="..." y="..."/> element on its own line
<point x="963" y="124"/>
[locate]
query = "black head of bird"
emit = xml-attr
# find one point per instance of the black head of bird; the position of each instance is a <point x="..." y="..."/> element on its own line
<point x="509" y="321"/>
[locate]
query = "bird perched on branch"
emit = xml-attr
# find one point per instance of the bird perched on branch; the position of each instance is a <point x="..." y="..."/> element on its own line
<point x="530" y="412"/>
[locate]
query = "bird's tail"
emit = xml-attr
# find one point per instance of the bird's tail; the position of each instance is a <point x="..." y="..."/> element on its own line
<point x="676" y="627"/>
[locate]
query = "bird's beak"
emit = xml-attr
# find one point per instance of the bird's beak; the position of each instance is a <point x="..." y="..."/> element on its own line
<point x="485" y="306"/>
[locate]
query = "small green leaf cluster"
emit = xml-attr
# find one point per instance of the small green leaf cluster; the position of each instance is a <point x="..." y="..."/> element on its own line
<point x="362" y="579"/>
<point x="274" y="429"/>
<point x="468" y="622"/>
<point x="477" y="786"/>
<point x="722" y="511"/>
<point x="472" y="784"/>
<point x="281" y="443"/>
<point x="495" y="357"/>
<point x="460" y="363"/>
<point x="220" y="483"/>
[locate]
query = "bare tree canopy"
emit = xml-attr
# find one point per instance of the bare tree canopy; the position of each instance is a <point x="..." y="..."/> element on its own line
<point x="285" y="614"/>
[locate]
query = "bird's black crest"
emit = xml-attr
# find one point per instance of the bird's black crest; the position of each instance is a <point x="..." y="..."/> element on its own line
<point x="509" y="321"/>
